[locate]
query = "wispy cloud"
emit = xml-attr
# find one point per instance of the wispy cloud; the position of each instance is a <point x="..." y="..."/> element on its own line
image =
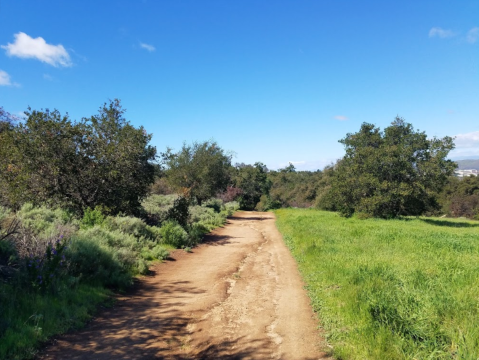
<point x="26" y="47"/>
<point x="5" y="79"/>
<point x="48" y="77"/>
<point x="472" y="35"/>
<point x="441" y="33"/>
<point x="467" y="140"/>
<point x="148" y="47"/>
<point x="467" y="145"/>
<point x="341" y="117"/>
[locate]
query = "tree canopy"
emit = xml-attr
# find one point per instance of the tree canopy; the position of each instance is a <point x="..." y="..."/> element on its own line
<point x="199" y="170"/>
<point x="100" y="161"/>
<point x="389" y="173"/>
<point x="253" y="182"/>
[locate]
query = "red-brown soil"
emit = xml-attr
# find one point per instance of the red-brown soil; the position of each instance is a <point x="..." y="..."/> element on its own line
<point x="237" y="296"/>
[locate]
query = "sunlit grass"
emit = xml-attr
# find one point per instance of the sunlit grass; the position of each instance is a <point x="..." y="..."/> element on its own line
<point x="390" y="289"/>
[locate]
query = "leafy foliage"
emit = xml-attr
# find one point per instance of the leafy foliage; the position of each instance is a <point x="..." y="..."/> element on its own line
<point x="253" y="182"/>
<point x="460" y="197"/>
<point x="199" y="170"/>
<point x="173" y="234"/>
<point x="391" y="173"/>
<point x="102" y="160"/>
<point x="291" y="188"/>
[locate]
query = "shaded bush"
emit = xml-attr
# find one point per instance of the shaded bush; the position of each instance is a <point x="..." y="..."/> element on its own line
<point x="460" y="197"/>
<point x="179" y="212"/>
<point x="215" y="204"/>
<point x="93" y="263"/>
<point x="157" y="207"/>
<point x="161" y="187"/>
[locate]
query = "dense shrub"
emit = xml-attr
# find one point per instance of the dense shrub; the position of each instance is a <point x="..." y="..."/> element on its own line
<point x="206" y="216"/>
<point x="460" y="197"/>
<point x="161" y="187"/>
<point x="157" y="207"/>
<point x="132" y="226"/>
<point x="94" y="263"/>
<point x="173" y="234"/>
<point x="179" y="212"/>
<point x="291" y="188"/>
<point x="46" y="270"/>
<point x="92" y="217"/>
<point x="215" y="204"/>
<point x="230" y="207"/>
<point x="45" y="222"/>
<point x="230" y="194"/>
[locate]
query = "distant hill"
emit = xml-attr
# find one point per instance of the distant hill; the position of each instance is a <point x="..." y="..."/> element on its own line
<point x="467" y="164"/>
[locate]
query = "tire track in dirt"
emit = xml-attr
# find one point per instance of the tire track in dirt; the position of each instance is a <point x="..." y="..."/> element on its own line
<point x="237" y="296"/>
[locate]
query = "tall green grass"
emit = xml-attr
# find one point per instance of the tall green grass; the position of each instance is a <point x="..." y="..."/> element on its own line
<point x="390" y="289"/>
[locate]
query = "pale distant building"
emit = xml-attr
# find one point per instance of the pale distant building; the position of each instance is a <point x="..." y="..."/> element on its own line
<point x="464" y="173"/>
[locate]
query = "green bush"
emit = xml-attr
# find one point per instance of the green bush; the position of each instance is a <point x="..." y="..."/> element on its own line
<point x="172" y="233"/>
<point x="132" y="226"/>
<point x="231" y="207"/>
<point x="266" y="203"/>
<point x="206" y="216"/>
<point x="196" y="231"/>
<point x="45" y="222"/>
<point x="157" y="207"/>
<point x="97" y="264"/>
<point x="215" y="204"/>
<point x="92" y="217"/>
<point x="157" y="252"/>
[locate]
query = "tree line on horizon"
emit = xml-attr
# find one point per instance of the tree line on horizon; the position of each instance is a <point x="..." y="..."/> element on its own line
<point x="106" y="163"/>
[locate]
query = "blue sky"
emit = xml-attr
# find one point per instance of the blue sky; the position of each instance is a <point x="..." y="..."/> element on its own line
<point x="273" y="81"/>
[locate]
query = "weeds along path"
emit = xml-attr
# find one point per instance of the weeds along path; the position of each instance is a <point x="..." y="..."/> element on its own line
<point x="237" y="296"/>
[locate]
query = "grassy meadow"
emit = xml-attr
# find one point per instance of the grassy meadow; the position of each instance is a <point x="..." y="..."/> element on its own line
<point x="389" y="289"/>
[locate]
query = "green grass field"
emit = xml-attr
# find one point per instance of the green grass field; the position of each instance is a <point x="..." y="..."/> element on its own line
<point x="389" y="289"/>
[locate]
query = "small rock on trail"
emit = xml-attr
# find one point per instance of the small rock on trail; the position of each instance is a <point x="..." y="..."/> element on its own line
<point x="236" y="296"/>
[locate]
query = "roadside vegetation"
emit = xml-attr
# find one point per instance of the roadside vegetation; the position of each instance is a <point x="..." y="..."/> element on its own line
<point x="389" y="289"/>
<point x="86" y="206"/>
<point x="79" y="219"/>
<point x="56" y="268"/>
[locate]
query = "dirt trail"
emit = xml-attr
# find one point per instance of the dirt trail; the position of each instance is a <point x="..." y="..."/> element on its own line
<point x="236" y="296"/>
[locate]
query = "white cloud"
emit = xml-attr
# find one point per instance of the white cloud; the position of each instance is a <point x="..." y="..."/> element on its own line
<point x="467" y="140"/>
<point x="341" y="117"/>
<point x="48" y="77"/>
<point x="442" y="33"/>
<point x="466" y="145"/>
<point x="473" y="35"/>
<point x="148" y="47"/>
<point x="5" y="79"/>
<point x="27" y="47"/>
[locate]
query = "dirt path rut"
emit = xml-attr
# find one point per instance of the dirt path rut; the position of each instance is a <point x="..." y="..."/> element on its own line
<point x="236" y="296"/>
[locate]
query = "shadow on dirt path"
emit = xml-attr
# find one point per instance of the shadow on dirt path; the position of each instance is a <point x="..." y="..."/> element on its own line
<point x="236" y="296"/>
